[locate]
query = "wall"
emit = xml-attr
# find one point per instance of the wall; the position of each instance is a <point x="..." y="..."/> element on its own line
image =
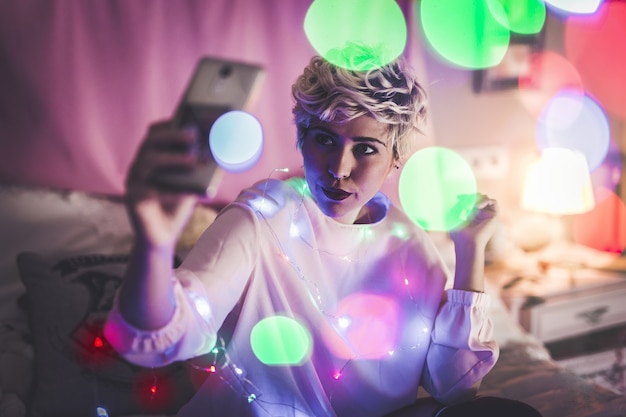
<point x="462" y="118"/>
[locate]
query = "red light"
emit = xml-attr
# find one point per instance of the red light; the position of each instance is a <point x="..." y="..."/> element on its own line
<point x="153" y="391"/>
<point x="211" y="368"/>
<point x="596" y="46"/>
<point x="97" y="342"/>
<point x="337" y="375"/>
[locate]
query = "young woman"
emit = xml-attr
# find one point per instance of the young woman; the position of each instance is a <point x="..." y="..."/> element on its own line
<point x="349" y="290"/>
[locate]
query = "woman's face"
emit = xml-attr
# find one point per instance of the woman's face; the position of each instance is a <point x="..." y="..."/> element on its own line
<point x="346" y="165"/>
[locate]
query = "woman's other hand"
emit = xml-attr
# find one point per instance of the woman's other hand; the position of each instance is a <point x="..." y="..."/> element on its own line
<point x="481" y="223"/>
<point x="470" y="241"/>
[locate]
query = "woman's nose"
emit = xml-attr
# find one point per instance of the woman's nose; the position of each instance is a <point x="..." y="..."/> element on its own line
<point x="340" y="167"/>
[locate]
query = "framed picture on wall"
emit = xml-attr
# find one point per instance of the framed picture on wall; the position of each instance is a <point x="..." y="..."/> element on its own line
<point x="515" y="64"/>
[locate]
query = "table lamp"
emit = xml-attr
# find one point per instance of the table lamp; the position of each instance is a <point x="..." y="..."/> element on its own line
<point x="557" y="184"/>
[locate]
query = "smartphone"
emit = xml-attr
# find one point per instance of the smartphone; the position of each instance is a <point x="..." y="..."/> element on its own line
<point x="217" y="86"/>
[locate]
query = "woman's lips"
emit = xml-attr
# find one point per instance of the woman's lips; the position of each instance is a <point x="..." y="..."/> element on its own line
<point x="336" y="194"/>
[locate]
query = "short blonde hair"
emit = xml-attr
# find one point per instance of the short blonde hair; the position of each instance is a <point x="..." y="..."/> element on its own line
<point x="389" y="94"/>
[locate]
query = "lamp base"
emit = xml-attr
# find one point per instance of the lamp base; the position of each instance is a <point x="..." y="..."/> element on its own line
<point x="536" y="231"/>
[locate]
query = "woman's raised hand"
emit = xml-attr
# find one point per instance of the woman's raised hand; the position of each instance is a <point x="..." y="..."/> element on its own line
<point x="470" y="240"/>
<point x="481" y="223"/>
<point x="159" y="215"/>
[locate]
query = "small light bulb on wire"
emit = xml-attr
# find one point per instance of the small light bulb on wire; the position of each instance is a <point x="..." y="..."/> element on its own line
<point x="97" y="342"/>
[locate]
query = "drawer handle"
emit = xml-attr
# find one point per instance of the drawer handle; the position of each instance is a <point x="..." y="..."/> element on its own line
<point x="593" y="316"/>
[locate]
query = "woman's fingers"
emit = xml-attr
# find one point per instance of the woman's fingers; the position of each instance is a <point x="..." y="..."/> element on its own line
<point x="486" y="207"/>
<point x="164" y="149"/>
<point x="480" y="212"/>
<point x="474" y="204"/>
<point x="483" y="201"/>
<point x="157" y="214"/>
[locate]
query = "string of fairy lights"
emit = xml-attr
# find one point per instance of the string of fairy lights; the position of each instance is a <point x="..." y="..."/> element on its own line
<point x="219" y="363"/>
<point x="221" y="359"/>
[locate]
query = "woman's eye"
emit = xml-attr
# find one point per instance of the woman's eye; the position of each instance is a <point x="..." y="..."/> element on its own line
<point x="323" y="139"/>
<point x="365" y="149"/>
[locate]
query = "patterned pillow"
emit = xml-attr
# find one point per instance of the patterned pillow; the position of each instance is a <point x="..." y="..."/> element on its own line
<point x="76" y="370"/>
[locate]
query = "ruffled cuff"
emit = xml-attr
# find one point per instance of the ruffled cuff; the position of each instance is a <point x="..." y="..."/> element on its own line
<point x="190" y="331"/>
<point x="463" y="323"/>
<point x="477" y="299"/>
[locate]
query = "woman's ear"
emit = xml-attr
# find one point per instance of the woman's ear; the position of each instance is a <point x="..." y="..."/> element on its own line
<point x="397" y="163"/>
<point x="395" y="167"/>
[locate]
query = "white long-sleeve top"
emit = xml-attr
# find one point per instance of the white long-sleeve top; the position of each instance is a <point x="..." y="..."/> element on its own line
<point x="327" y="319"/>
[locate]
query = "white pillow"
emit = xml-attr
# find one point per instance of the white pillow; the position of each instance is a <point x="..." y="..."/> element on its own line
<point x="54" y="222"/>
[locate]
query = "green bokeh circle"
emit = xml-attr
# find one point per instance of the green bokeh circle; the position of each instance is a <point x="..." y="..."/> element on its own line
<point x="465" y="32"/>
<point x="280" y="340"/>
<point x="522" y="16"/>
<point x="346" y="25"/>
<point x="432" y="183"/>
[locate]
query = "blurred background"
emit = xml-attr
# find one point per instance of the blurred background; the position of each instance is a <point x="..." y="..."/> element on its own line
<point x="81" y="81"/>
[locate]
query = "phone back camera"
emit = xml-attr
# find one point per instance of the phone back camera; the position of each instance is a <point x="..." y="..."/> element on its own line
<point x="226" y="71"/>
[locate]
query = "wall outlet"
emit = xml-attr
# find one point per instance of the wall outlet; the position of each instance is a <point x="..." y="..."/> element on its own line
<point x="487" y="162"/>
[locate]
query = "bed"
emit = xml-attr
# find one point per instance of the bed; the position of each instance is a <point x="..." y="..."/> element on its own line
<point x="62" y="255"/>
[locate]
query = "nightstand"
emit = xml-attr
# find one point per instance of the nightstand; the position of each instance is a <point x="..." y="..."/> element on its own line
<point x="579" y="314"/>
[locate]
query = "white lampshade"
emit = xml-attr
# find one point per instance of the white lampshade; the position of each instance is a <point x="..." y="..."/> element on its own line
<point x="558" y="183"/>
